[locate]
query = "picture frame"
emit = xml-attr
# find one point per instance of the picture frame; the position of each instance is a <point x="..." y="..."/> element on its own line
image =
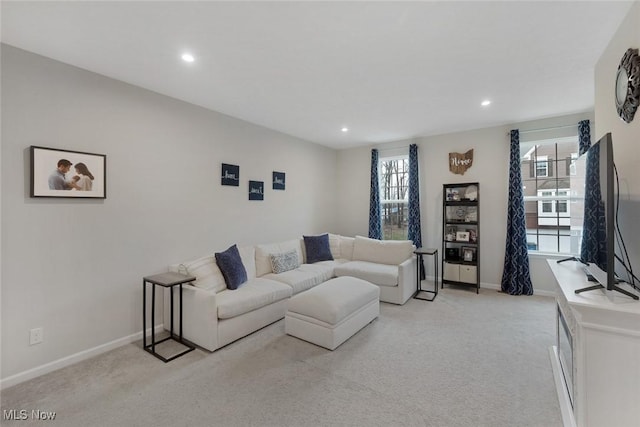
<point x="230" y="175"/>
<point x="256" y="190"/>
<point x="452" y="254"/>
<point x="278" y="180"/>
<point x="68" y="174"/>
<point x="468" y="253"/>
<point x="462" y="236"/>
<point x="473" y="235"/>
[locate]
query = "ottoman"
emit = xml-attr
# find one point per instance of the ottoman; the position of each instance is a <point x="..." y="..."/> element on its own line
<point x="330" y="313"/>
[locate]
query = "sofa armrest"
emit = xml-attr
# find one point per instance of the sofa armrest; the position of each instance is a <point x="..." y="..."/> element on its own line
<point x="407" y="278"/>
<point x="199" y="315"/>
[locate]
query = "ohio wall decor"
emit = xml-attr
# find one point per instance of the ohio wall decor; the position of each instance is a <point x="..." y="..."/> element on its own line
<point x="66" y="173"/>
<point x="460" y="162"/>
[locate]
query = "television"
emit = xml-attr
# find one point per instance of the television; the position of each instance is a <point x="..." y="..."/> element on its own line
<point x="597" y="251"/>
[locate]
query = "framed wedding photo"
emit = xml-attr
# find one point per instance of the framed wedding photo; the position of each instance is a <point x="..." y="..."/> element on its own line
<point x="66" y="173"/>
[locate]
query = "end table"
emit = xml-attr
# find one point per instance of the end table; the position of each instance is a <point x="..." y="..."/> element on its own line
<point x="167" y="280"/>
<point x="420" y="252"/>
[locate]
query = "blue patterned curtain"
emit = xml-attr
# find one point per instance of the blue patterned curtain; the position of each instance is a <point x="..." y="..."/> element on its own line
<point x="515" y="275"/>
<point x="375" y="223"/>
<point x="414" y="234"/>
<point x="594" y="242"/>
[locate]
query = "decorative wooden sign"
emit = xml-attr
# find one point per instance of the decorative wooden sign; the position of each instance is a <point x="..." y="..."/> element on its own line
<point x="459" y="163"/>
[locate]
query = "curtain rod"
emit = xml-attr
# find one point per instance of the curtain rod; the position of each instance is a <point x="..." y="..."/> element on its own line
<point x="550" y="128"/>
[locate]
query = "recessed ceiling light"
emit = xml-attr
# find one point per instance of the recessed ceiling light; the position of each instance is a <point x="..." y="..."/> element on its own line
<point x="485" y="102"/>
<point x="187" y="57"/>
<point x="345" y="129"/>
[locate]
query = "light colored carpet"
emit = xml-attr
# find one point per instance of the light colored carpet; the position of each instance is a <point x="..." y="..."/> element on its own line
<point x="462" y="360"/>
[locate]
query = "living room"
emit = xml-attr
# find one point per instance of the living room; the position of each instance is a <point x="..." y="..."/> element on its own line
<point x="74" y="267"/>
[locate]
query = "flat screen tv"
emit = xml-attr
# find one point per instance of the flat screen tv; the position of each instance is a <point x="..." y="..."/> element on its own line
<point x="598" y="238"/>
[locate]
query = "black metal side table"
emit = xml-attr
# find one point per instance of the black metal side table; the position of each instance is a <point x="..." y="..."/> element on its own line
<point x="420" y="252"/>
<point x="167" y="280"/>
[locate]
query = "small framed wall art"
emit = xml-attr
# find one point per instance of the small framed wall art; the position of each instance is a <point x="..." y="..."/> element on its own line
<point x="278" y="180"/>
<point x="66" y="173"/>
<point x="256" y="190"/>
<point x="230" y="175"/>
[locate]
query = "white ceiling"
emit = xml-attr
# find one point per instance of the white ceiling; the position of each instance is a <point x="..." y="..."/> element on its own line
<point x="387" y="70"/>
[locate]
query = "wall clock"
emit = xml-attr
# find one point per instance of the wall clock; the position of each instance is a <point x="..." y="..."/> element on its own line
<point x="627" y="92"/>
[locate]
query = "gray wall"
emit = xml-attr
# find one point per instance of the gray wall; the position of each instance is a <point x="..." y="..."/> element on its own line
<point x="490" y="168"/>
<point x="626" y="136"/>
<point x="75" y="267"/>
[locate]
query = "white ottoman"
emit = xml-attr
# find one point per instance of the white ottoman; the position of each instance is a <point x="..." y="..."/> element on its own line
<point x="330" y="313"/>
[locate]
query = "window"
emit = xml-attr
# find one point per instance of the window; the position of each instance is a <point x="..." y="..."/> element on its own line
<point x="542" y="166"/>
<point x="553" y="194"/>
<point x="394" y="197"/>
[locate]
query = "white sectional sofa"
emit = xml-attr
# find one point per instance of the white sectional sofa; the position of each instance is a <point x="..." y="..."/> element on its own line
<point x="214" y="316"/>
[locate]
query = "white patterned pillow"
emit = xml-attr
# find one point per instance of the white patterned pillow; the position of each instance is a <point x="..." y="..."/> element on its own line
<point x="285" y="261"/>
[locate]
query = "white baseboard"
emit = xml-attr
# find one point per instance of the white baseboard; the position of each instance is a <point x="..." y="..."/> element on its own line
<point x="74" y="358"/>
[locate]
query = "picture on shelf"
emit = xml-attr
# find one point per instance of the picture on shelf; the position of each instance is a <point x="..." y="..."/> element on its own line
<point x="473" y="235"/>
<point x="453" y="194"/>
<point x="462" y="236"/>
<point x="452" y="254"/>
<point x="468" y="254"/>
<point x="450" y="236"/>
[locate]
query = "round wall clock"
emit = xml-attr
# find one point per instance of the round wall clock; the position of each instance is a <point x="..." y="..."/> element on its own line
<point x="627" y="92"/>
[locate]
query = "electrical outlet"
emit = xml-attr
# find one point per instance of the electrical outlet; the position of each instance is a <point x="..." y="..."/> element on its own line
<point x="36" y="336"/>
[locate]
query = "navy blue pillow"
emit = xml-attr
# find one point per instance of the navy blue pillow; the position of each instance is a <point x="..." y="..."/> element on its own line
<point x="317" y="248"/>
<point x="230" y="264"/>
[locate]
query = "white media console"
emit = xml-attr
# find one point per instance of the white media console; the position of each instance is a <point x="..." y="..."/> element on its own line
<point x="596" y="360"/>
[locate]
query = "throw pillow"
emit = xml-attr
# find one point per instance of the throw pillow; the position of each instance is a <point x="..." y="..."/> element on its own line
<point x="231" y="266"/>
<point x="284" y="262"/>
<point x="317" y="248"/>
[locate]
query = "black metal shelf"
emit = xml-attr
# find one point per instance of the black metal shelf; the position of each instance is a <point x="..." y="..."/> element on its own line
<point x="465" y="269"/>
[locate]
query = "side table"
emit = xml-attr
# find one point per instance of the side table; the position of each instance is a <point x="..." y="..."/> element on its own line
<point x="420" y="252"/>
<point x="167" y="280"/>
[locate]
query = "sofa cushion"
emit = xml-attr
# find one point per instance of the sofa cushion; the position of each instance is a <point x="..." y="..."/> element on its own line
<point x="263" y="254"/>
<point x="317" y="248"/>
<point x="346" y="247"/>
<point x="230" y="265"/>
<point x="248" y="256"/>
<point x="379" y="274"/>
<point x="208" y="275"/>
<point x="253" y="295"/>
<point x="334" y="245"/>
<point x="304" y="277"/>
<point x="392" y="252"/>
<point x="284" y="262"/>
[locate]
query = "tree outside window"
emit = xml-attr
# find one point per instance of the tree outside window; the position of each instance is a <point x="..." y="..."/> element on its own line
<point x="394" y="197"/>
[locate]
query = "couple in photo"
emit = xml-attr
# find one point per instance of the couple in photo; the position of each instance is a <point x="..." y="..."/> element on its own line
<point x="82" y="181"/>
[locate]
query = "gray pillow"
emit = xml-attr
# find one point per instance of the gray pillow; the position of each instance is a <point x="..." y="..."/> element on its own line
<point x="285" y="261"/>
<point x="230" y="264"/>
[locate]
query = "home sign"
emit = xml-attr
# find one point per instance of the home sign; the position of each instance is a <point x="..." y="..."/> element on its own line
<point x="460" y="162"/>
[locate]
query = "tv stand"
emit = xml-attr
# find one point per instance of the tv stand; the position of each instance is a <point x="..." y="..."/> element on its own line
<point x="599" y="286"/>
<point x="605" y="343"/>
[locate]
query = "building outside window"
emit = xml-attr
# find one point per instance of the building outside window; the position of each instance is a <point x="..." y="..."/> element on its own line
<point x="553" y="187"/>
<point x="394" y="196"/>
